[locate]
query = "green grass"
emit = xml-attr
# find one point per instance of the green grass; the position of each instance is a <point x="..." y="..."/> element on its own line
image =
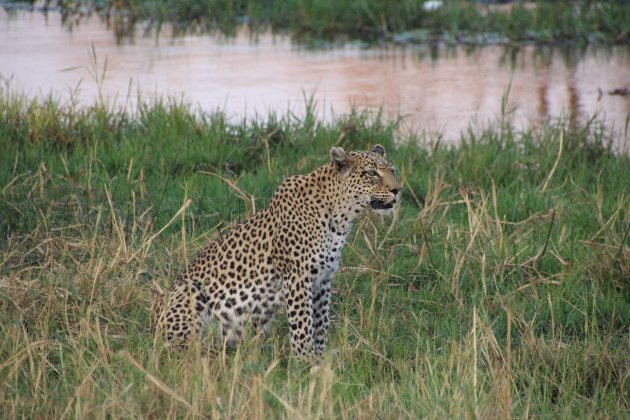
<point x="313" y="21"/>
<point x="506" y="292"/>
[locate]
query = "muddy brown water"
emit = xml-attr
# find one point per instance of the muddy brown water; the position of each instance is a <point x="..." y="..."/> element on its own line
<point x="437" y="89"/>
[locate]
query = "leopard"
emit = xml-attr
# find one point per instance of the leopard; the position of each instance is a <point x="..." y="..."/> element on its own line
<point x="284" y="256"/>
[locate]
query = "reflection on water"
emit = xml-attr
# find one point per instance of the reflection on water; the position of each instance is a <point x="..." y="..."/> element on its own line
<point x="437" y="88"/>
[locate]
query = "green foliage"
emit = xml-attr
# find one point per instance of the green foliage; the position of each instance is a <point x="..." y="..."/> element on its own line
<point x="501" y="286"/>
<point x="378" y="20"/>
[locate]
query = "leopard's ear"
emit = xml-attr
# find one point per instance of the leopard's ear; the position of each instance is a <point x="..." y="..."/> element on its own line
<point x="380" y="150"/>
<point x="340" y="158"/>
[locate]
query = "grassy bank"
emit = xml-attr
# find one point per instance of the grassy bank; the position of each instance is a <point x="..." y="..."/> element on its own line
<point x="501" y="287"/>
<point x="378" y="20"/>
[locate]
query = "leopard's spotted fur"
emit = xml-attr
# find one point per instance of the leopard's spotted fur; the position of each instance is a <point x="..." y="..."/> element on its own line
<point x="285" y="255"/>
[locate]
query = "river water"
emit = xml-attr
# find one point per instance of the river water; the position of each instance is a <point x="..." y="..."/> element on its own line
<point x="437" y="89"/>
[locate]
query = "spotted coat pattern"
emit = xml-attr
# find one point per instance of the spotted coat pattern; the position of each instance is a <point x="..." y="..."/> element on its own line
<point x="285" y="255"/>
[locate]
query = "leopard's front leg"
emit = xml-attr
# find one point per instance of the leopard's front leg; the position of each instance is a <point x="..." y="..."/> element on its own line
<point x="321" y="315"/>
<point x="298" y="298"/>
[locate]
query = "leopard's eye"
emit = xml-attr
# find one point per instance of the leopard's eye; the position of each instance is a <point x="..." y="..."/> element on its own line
<point x="370" y="172"/>
<point x="393" y="171"/>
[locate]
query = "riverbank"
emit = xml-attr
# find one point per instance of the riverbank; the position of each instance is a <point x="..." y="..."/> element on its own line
<point x="317" y="22"/>
<point x="501" y="286"/>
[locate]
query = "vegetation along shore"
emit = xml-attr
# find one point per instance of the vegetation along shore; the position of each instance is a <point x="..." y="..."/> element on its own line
<point x="372" y="21"/>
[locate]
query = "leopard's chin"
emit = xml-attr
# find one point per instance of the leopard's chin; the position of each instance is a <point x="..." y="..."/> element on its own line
<point x="382" y="205"/>
<point x="384" y="208"/>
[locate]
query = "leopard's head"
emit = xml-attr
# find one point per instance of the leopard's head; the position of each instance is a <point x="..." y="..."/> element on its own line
<point x="368" y="178"/>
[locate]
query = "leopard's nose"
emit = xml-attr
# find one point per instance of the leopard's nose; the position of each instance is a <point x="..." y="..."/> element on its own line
<point x="395" y="191"/>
